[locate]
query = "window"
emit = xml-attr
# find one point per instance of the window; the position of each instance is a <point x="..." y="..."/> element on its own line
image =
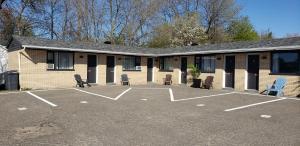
<point x="60" y="60"/>
<point x="132" y="63"/>
<point x="286" y="62"/>
<point x="206" y="64"/>
<point x="165" y="63"/>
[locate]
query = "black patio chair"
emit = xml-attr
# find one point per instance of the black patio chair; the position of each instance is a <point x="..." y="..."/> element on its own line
<point x="80" y="82"/>
<point x="125" y="80"/>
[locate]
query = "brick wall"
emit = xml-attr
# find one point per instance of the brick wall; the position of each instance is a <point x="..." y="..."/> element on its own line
<point x="34" y="73"/>
<point x="293" y="81"/>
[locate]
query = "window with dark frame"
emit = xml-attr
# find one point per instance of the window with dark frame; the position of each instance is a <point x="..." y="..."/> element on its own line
<point x="285" y="62"/>
<point x="58" y="60"/>
<point x="165" y="63"/>
<point x="206" y="64"/>
<point x="132" y="63"/>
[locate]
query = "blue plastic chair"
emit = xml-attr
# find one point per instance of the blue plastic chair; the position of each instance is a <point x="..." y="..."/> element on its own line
<point x="277" y="87"/>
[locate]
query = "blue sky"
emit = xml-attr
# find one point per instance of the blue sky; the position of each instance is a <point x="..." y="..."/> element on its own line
<point x="280" y="16"/>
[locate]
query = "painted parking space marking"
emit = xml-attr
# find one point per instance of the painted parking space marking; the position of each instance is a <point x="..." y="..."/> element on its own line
<point x="39" y="90"/>
<point x="254" y="104"/>
<point x="94" y="94"/>
<point x="265" y="116"/>
<point x="200" y="105"/>
<point x="119" y="96"/>
<point x="152" y="88"/>
<point x="293" y="98"/>
<point x="22" y="108"/>
<point x="116" y="98"/>
<point x="42" y="99"/>
<point x="84" y="102"/>
<point x="171" y="94"/>
<point x="204" y="96"/>
<point x="257" y="94"/>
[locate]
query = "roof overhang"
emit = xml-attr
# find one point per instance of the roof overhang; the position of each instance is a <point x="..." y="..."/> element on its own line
<point x="85" y="50"/>
<point x="243" y="50"/>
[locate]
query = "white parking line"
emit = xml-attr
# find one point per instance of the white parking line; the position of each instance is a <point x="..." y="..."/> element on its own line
<point x="293" y="98"/>
<point x="83" y="102"/>
<point x="254" y="104"/>
<point x="257" y="94"/>
<point x="265" y="116"/>
<point x="204" y="96"/>
<point x="38" y="90"/>
<point x="42" y="99"/>
<point x="200" y="105"/>
<point x="116" y="98"/>
<point x="22" y="108"/>
<point x="171" y="94"/>
<point x="94" y="94"/>
<point x="152" y="88"/>
<point x="122" y="94"/>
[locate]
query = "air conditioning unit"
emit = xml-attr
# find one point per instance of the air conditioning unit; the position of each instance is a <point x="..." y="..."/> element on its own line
<point x="50" y="66"/>
<point x="138" y="68"/>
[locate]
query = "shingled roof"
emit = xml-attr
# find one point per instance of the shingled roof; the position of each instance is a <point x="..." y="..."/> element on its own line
<point x="242" y="46"/>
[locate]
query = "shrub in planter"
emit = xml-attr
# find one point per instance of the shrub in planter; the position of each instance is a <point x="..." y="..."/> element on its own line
<point x="195" y="72"/>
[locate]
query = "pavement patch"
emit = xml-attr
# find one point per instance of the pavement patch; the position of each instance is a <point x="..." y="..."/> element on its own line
<point x="43" y="129"/>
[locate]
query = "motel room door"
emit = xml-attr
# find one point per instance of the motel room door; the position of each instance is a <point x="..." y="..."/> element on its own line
<point x="92" y="69"/>
<point x="110" y="69"/>
<point x="229" y="71"/>
<point x="149" y="69"/>
<point x="253" y="71"/>
<point x="183" y="70"/>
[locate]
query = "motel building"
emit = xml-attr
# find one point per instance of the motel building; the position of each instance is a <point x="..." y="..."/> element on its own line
<point x="240" y="66"/>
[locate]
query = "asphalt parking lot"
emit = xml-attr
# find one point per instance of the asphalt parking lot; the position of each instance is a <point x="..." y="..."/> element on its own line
<point x="147" y="115"/>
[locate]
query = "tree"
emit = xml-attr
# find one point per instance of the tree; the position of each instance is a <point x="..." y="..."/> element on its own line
<point x="242" y="30"/>
<point x="184" y="31"/>
<point x="187" y="31"/>
<point x="6" y="26"/>
<point x="266" y="35"/>
<point x="162" y="36"/>
<point x="1" y="2"/>
<point x="216" y="15"/>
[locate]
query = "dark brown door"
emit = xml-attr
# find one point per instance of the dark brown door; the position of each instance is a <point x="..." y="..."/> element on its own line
<point x="229" y="71"/>
<point x="92" y="68"/>
<point x="253" y="71"/>
<point x="149" y="69"/>
<point x="183" y="70"/>
<point x="110" y="69"/>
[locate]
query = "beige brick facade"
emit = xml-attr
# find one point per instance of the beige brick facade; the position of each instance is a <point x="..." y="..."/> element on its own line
<point x="34" y="73"/>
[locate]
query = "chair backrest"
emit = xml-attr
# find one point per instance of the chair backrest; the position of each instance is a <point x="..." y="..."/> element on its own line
<point x="124" y="77"/>
<point x="279" y="83"/>
<point x="78" y="78"/>
<point x="168" y="77"/>
<point x="209" y="80"/>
